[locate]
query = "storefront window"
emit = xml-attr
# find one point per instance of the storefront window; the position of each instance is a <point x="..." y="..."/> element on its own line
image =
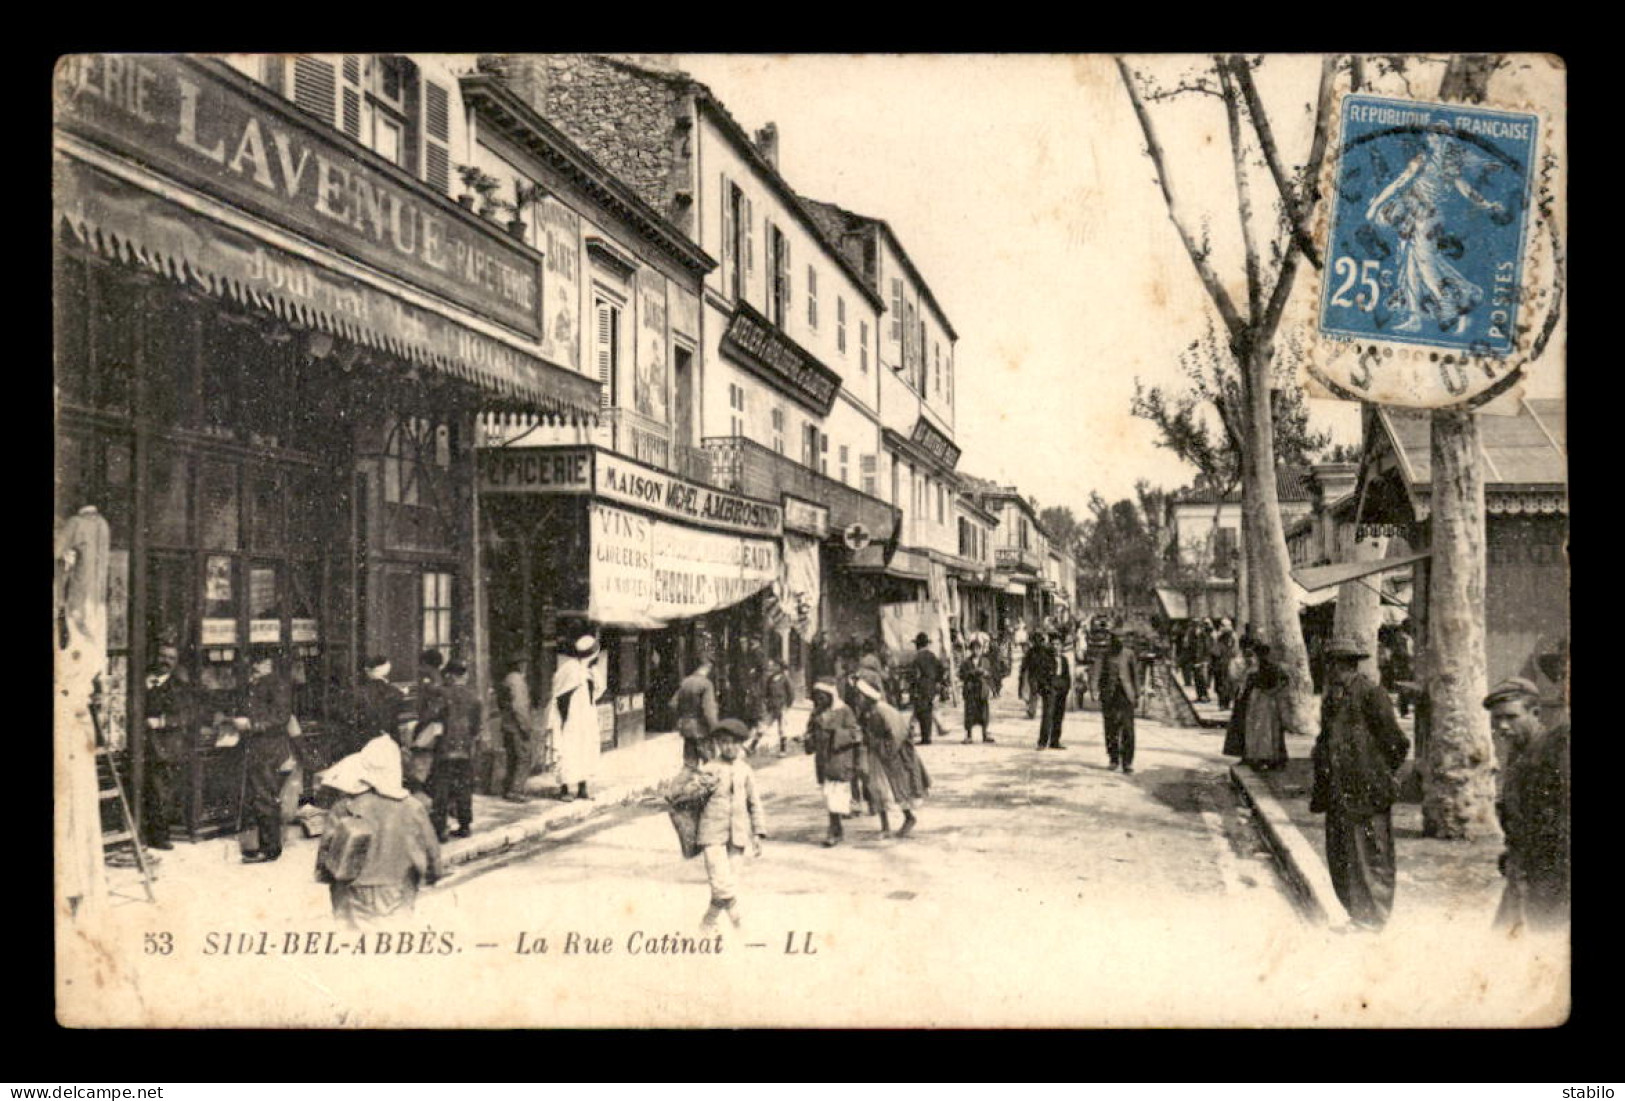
<point x="217" y="505"/>
<point x="170" y="364"/>
<point x="264" y="603"/>
<point x="269" y="499"/>
<point x="437" y="611"/>
<point x="167" y="497"/>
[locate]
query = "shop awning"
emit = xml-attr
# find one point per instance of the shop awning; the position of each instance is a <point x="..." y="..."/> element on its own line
<point x="1015" y="588"/>
<point x="1310" y="598"/>
<point x="905" y="564"/>
<point x="1324" y="577"/>
<point x="1174" y="604"/>
<point x="129" y="224"/>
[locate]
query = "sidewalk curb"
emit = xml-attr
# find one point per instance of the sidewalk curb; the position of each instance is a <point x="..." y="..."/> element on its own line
<point x="1301" y="866"/>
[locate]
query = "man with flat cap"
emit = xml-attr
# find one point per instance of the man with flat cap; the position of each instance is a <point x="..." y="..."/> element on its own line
<point x="265" y="720"/>
<point x="695" y="703"/>
<point x="1534" y="809"/>
<point x="1359" y="749"/>
<point x="731" y="820"/>
<point x="925" y="674"/>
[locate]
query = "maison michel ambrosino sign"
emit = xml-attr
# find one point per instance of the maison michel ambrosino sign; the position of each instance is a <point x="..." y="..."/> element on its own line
<point x="612" y="477"/>
<point x="200" y="123"/>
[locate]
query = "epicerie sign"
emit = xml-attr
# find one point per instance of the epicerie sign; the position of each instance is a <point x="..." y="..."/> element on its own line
<point x="535" y="470"/>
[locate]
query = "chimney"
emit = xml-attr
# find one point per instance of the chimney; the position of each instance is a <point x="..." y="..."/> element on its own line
<point x="767" y="144"/>
<point x="1331" y="481"/>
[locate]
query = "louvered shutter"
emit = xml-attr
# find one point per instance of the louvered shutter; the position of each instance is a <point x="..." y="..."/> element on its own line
<point x="437" y="136"/>
<point x="729" y="290"/>
<point x="789" y="296"/>
<point x="350" y="95"/>
<point x="606" y="354"/>
<point x="315" y="87"/>
<point x="750" y="244"/>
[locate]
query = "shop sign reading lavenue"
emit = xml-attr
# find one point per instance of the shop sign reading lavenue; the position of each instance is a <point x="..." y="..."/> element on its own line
<point x="202" y="124"/>
<point x="548" y="470"/>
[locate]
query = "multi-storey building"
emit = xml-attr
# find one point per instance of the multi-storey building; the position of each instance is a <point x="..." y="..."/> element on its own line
<point x="276" y="330"/>
<point x="1020" y="554"/>
<point x="1205" y="536"/>
<point x="786" y="403"/>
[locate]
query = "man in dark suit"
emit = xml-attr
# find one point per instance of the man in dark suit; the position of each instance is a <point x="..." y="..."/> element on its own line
<point x="695" y="704"/>
<point x="451" y="783"/>
<point x="264" y="722"/>
<point x="1054" y="689"/>
<point x="925" y="680"/>
<point x="1117" y="689"/>
<point x="171" y="720"/>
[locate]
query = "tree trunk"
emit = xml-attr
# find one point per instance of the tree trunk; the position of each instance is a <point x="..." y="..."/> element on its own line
<point x="1459" y="766"/>
<point x="1270" y="573"/>
<point x="1359" y="606"/>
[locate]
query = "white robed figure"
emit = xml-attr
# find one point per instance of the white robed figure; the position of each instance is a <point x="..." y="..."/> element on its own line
<point x="572" y="716"/>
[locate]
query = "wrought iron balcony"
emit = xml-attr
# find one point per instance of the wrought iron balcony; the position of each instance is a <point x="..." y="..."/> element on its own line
<point x="745" y="466"/>
<point x="1017" y="560"/>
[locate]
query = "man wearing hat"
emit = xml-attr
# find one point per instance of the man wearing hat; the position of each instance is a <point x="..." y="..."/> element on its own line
<point x="976" y="674"/>
<point x="264" y="720"/>
<point x="572" y="716"/>
<point x="695" y="704"/>
<point x="171" y="722"/>
<point x="1055" y="687"/>
<point x="1534" y="809"/>
<point x="925" y="680"/>
<point x="731" y="819"/>
<point x="834" y="741"/>
<point x="402" y="851"/>
<point x="1117" y="688"/>
<point x="451" y="780"/>
<point x="1359" y="749"/>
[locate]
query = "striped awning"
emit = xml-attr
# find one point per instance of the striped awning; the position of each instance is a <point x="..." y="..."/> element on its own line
<point x="129" y="224"/>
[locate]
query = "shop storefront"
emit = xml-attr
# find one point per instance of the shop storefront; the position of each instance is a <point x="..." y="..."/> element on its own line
<point x="271" y="346"/>
<point x="582" y="540"/>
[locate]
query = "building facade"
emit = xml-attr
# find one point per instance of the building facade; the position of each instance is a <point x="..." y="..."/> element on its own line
<point x="276" y="332"/>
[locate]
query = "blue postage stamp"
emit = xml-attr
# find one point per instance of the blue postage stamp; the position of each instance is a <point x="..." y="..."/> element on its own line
<point x="1430" y="205"/>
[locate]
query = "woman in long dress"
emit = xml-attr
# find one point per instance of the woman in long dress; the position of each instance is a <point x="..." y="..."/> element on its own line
<point x="572" y="716"/>
<point x="1264" y="737"/>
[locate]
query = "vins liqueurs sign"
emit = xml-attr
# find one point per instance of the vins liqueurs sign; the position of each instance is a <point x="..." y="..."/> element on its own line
<point x="208" y="127"/>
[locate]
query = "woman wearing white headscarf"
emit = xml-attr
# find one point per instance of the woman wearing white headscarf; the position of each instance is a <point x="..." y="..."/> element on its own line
<point x="572" y="716"/>
<point x="373" y="880"/>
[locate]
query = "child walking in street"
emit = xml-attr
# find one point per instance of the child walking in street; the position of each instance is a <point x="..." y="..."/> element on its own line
<point x="731" y="820"/>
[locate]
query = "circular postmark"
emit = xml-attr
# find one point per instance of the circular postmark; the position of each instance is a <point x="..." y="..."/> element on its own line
<point x="1442" y="271"/>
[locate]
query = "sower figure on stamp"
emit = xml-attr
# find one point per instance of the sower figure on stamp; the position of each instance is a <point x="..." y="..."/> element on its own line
<point x="833" y="739"/>
<point x="451" y="781"/>
<point x="171" y="720"/>
<point x="1359" y="749"/>
<point x="1534" y="810"/>
<point x="695" y="704"/>
<point x="730" y="821"/>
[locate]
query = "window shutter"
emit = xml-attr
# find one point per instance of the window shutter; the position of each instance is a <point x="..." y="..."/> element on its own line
<point x="315" y="87"/>
<point x="789" y="298"/>
<point x="606" y="354"/>
<point x="727" y="223"/>
<point x="350" y="90"/>
<point x="750" y="244"/>
<point x="437" y="135"/>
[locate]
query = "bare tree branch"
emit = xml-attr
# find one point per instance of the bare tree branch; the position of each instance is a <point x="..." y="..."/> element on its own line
<point x="1244" y="195"/>
<point x="1290" y="200"/>
<point x="1204" y="271"/>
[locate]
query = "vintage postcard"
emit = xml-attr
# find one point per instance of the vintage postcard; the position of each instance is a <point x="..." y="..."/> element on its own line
<point x="695" y="540"/>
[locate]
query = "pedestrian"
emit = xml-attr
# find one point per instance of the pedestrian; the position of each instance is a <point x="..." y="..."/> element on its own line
<point x="572" y="716"/>
<point x="265" y="718"/>
<point x="751" y="706"/>
<point x="1054" y="685"/>
<point x="430" y="720"/>
<point x="999" y="660"/>
<point x="976" y="674"/>
<point x="893" y="773"/>
<point x="1037" y="665"/>
<point x="1359" y="749"/>
<point x="1534" y="810"/>
<point x="1263" y="732"/>
<point x="1117" y="689"/>
<point x="730" y="821"/>
<point x="834" y="741"/>
<point x="451" y="780"/>
<point x="171" y="721"/>
<point x="695" y="704"/>
<point x="820" y="661"/>
<point x="1194" y="656"/>
<point x="382" y="707"/>
<point x="1220" y="652"/>
<point x="375" y="881"/>
<point x="518" y="728"/>
<point x="925" y="674"/>
<point x="776" y="697"/>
